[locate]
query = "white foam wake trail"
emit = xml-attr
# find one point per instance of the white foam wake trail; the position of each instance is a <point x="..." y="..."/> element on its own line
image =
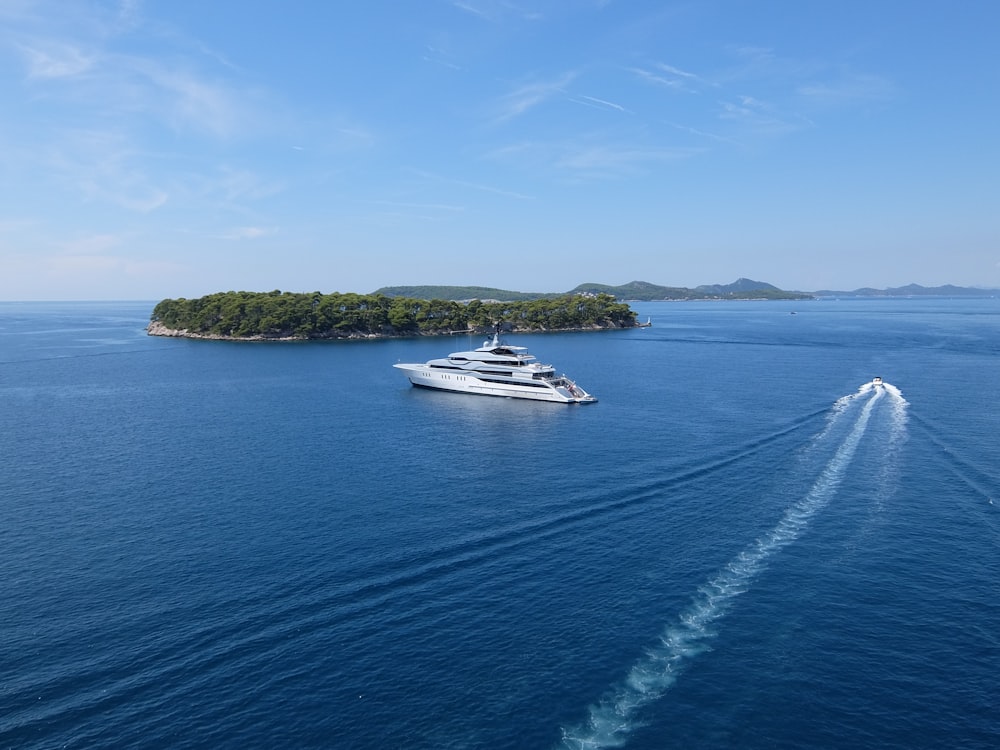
<point x="899" y="418"/>
<point x="888" y="477"/>
<point x="614" y="717"/>
<point x="840" y="406"/>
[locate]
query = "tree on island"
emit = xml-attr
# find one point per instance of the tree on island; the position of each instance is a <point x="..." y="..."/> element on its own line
<point x="315" y="315"/>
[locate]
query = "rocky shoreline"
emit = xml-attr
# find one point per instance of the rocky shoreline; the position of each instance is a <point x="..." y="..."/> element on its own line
<point x="156" y="328"/>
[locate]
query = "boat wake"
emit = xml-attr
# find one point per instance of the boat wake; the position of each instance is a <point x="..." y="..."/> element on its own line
<point x="616" y="715"/>
<point x="888" y="476"/>
<point x="980" y="480"/>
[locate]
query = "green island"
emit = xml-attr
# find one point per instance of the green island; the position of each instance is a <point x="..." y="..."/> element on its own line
<point x="277" y="315"/>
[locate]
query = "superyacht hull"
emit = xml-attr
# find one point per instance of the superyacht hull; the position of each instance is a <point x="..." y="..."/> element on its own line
<point x="559" y="390"/>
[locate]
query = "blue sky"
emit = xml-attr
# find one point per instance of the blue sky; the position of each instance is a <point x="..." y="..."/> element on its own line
<point x="167" y="148"/>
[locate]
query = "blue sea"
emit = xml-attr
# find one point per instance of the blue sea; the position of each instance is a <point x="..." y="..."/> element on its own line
<point x="743" y="544"/>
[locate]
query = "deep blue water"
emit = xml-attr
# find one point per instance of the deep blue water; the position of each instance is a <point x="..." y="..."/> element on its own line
<point x="742" y="545"/>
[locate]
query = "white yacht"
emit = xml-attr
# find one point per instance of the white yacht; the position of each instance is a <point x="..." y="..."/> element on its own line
<point x="496" y="369"/>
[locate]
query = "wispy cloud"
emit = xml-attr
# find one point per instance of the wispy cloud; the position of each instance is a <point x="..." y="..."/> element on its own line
<point x="91" y="244"/>
<point x="651" y="77"/>
<point x="530" y="95"/>
<point x="440" y="57"/>
<point x="129" y="14"/>
<point x="483" y="188"/>
<point x="764" y="94"/>
<point x="704" y="134"/>
<point x="848" y="89"/>
<point x="760" y="117"/>
<point x="55" y="59"/>
<point x="85" y="268"/>
<point x="495" y="190"/>
<point x="75" y="264"/>
<point x="414" y="210"/>
<point x="422" y="206"/>
<point x="671" y="70"/>
<point x="107" y="166"/>
<point x="12" y="225"/>
<point x="669" y="76"/>
<point x="104" y="166"/>
<point x="591" y="157"/>
<point x="193" y="101"/>
<point x="593" y="101"/>
<point x="86" y="46"/>
<point x="231" y="188"/>
<point x="16" y="10"/>
<point x="495" y="11"/>
<point x="475" y="9"/>
<point x="812" y="81"/>
<point x="58" y="39"/>
<point x="619" y="161"/>
<point x="90" y="257"/>
<point x="682" y="76"/>
<point x="765" y="68"/>
<point x="752" y="53"/>
<point x="249" y="233"/>
<point x="351" y="136"/>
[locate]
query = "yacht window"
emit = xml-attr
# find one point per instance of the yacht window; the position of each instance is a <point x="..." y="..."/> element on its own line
<point x="507" y="382"/>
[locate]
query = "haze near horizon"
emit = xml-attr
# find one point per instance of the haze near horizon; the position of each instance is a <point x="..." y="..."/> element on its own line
<point x="174" y="149"/>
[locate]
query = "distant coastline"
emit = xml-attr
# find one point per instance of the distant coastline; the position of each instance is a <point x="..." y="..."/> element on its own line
<point x="398" y="312"/>
<point x="913" y="290"/>
<point x="644" y="291"/>
<point x="634" y="291"/>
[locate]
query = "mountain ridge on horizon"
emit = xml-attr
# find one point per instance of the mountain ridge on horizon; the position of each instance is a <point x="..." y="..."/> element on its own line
<point x="912" y="290"/>
<point x="742" y="288"/>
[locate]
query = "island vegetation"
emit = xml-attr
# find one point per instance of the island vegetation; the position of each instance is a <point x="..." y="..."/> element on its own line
<point x="465" y="293"/>
<point x="294" y="315"/>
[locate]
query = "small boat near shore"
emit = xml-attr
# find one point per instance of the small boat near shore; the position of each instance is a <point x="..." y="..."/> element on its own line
<point x="496" y="369"/>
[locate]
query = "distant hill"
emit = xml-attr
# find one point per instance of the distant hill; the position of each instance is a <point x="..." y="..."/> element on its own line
<point x="460" y="293"/>
<point x="737" y="287"/>
<point x="913" y="290"/>
<point x="634" y="290"/>
<point x="646" y="292"/>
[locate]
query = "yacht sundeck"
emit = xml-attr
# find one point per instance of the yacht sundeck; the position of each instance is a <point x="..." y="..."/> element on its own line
<point x="497" y="369"/>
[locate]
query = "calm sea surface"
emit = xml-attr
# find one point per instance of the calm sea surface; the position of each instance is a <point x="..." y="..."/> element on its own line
<point x="742" y="545"/>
